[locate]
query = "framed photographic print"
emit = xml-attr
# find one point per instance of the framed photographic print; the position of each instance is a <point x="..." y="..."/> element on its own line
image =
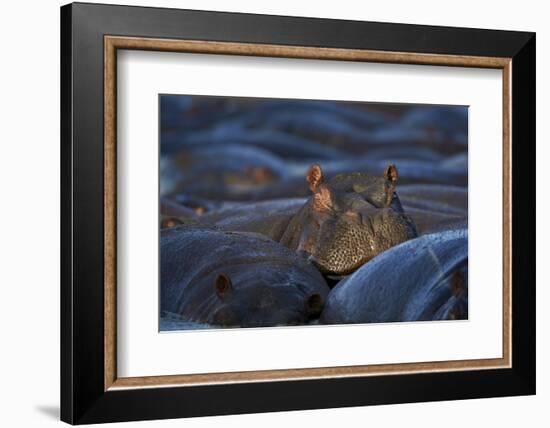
<point x="265" y="213"/>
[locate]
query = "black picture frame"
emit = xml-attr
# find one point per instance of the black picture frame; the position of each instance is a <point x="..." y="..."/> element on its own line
<point x="83" y="398"/>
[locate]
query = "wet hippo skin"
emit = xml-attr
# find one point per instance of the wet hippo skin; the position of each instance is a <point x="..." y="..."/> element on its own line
<point x="220" y="172"/>
<point x="269" y="218"/>
<point x="435" y="208"/>
<point x="235" y="279"/>
<point x="319" y="180"/>
<point x="344" y="223"/>
<point x="348" y="220"/>
<point x="429" y="282"/>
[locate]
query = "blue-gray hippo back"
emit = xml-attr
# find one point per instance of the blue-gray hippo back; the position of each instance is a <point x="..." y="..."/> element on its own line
<point x="236" y="279"/>
<point x="421" y="279"/>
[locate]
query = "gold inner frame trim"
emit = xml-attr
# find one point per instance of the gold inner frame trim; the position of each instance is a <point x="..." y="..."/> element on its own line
<point x="113" y="43"/>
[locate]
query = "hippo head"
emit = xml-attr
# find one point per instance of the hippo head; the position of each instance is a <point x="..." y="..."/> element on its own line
<point x="168" y="222"/>
<point x="250" y="177"/>
<point x="262" y="305"/>
<point x="351" y="219"/>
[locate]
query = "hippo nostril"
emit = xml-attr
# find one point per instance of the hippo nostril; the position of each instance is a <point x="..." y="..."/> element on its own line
<point x="314" y="304"/>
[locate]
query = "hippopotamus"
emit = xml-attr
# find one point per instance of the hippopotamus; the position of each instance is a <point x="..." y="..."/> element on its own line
<point x="274" y="113"/>
<point x="446" y="124"/>
<point x="422" y="279"/>
<point x="169" y="207"/>
<point x="431" y="208"/>
<point x="191" y="112"/>
<point x="435" y="197"/>
<point x="348" y="220"/>
<point x="435" y="208"/>
<point x="225" y="172"/>
<point x="342" y="225"/>
<point x="446" y="119"/>
<point x="236" y="279"/>
<point x="282" y="144"/>
<point x="173" y="214"/>
<point x="428" y="221"/>
<point x="167" y="221"/>
<point x="269" y="217"/>
<point x="327" y="127"/>
<point x="397" y="152"/>
<point x="410" y="171"/>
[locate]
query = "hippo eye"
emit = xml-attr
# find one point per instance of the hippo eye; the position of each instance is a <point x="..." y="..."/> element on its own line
<point x="359" y="188"/>
<point x="226" y="317"/>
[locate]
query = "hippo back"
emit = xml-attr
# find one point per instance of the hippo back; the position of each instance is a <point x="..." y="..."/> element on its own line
<point x="269" y="218"/>
<point x="270" y="284"/>
<point x="421" y="279"/>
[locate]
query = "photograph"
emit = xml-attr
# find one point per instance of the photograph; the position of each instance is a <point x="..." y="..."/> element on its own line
<point x="266" y="211"/>
<point x="298" y="212"/>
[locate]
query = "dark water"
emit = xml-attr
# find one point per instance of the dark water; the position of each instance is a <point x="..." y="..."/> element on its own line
<point x="221" y="154"/>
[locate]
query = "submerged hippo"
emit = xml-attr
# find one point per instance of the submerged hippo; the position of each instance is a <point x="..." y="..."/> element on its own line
<point x="235" y="279"/>
<point x="433" y="197"/>
<point x="229" y="172"/>
<point x="422" y="279"/>
<point x="435" y="208"/>
<point x="430" y="221"/>
<point x="269" y="218"/>
<point x="278" y="143"/>
<point x="349" y="220"/>
<point x="173" y="214"/>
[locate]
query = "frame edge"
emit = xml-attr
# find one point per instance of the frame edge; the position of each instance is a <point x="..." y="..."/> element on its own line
<point x="523" y="216"/>
<point x="66" y="306"/>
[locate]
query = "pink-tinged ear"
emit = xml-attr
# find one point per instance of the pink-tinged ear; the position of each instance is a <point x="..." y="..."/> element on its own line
<point x="168" y="222"/>
<point x="314" y="177"/>
<point x="223" y="285"/>
<point x="390" y="174"/>
<point x="322" y="199"/>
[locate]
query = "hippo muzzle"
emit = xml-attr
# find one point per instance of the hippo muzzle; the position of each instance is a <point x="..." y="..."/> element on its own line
<point x="263" y="306"/>
<point x="343" y="245"/>
<point x="348" y="221"/>
<point x="347" y="241"/>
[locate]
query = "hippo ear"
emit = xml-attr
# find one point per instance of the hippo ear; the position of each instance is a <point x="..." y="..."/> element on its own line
<point x="167" y="222"/>
<point x="259" y="174"/>
<point x="322" y="199"/>
<point x="390" y="174"/>
<point x="223" y="285"/>
<point x="314" y="304"/>
<point x="314" y="177"/>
